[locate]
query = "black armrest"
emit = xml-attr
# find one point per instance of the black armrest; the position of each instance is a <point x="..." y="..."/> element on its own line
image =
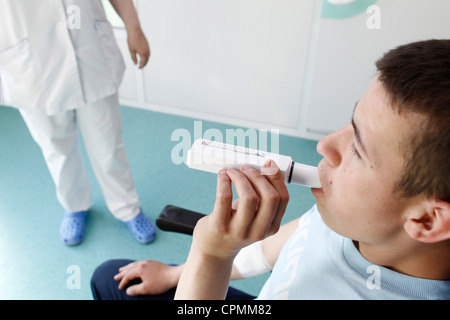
<point x="176" y="219"/>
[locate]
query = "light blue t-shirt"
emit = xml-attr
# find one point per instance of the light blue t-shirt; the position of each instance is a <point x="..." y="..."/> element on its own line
<point x="317" y="263"/>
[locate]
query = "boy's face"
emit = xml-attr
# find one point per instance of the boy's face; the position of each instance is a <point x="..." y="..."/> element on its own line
<point x="362" y="163"/>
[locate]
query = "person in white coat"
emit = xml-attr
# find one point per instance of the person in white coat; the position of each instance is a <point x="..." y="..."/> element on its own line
<point x="61" y="67"/>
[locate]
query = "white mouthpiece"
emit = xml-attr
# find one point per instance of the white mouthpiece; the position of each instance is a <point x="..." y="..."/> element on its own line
<point x="305" y="175"/>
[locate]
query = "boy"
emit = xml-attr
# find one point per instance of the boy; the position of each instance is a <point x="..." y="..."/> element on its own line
<point x="381" y="226"/>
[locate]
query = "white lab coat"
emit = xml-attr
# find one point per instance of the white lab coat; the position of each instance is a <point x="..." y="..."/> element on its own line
<point x="48" y="67"/>
<point x="63" y="80"/>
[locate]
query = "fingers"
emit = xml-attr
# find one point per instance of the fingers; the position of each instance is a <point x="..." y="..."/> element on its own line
<point x="275" y="177"/>
<point x="136" y="289"/>
<point x="262" y="199"/>
<point x="224" y="198"/>
<point x="126" y="274"/>
<point x="125" y="277"/>
<point x="144" y="57"/>
<point x="273" y="193"/>
<point x="248" y="200"/>
<point x="235" y="204"/>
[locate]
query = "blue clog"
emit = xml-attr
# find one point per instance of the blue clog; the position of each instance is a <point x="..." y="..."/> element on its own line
<point x="142" y="228"/>
<point x="71" y="230"/>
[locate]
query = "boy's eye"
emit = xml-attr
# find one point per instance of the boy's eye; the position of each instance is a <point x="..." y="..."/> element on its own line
<point x="354" y="151"/>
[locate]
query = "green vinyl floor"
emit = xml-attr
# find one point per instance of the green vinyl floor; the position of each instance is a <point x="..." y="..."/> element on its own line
<point x="34" y="264"/>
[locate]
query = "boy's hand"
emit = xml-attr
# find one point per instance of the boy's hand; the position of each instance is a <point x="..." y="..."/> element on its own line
<point x="262" y="202"/>
<point x="219" y="236"/>
<point x="156" y="277"/>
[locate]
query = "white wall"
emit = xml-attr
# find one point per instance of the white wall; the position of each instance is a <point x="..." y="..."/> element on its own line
<point x="345" y="52"/>
<point x="273" y="64"/>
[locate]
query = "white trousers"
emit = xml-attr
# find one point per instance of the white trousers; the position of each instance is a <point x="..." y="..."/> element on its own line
<point x="100" y="124"/>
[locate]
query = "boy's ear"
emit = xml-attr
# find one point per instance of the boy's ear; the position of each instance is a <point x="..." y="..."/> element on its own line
<point x="430" y="224"/>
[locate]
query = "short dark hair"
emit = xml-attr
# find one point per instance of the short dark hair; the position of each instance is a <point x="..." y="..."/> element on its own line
<point x="416" y="77"/>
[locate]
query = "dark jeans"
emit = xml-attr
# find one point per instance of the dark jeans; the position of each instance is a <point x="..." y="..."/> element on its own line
<point x="104" y="287"/>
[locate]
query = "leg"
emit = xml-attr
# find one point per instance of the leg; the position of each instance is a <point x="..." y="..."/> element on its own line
<point x="235" y="294"/>
<point x="58" y="140"/>
<point x="57" y="137"/>
<point x="101" y="126"/>
<point x="104" y="287"/>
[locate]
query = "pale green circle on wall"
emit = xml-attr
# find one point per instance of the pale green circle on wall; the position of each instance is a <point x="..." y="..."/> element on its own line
<point x="344" y="11"/>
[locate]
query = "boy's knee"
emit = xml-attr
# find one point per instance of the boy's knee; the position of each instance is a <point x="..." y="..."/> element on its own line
<point x="103" y="285"/>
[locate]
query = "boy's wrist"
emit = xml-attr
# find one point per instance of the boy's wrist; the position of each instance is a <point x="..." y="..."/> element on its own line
<point x="204" y="276"/>
<point x="213" y="254"/>
<point x="174" y="274"/>
<point x="211" y="258"/>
